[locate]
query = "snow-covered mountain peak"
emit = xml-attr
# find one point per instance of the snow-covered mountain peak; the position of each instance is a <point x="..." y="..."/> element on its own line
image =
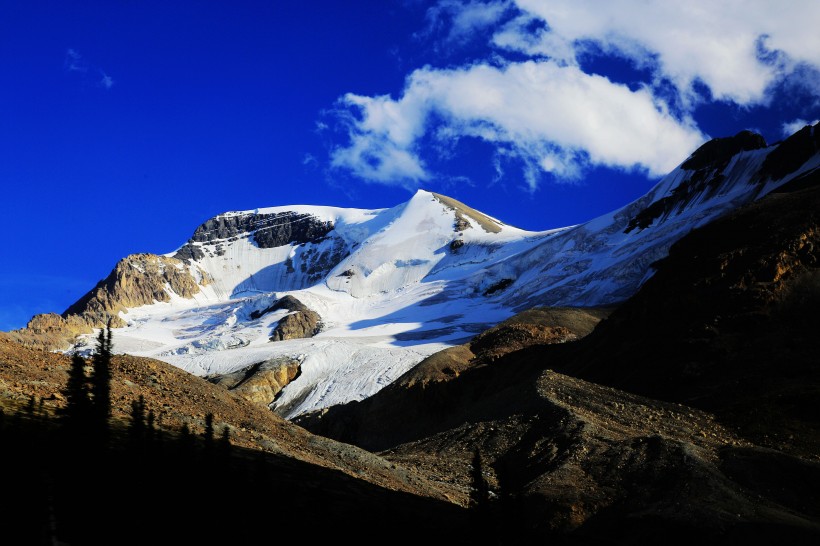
<point x="386" y="287"/>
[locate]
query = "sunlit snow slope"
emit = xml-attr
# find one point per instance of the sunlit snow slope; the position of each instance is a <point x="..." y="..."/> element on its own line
<point x="394" y="285"/>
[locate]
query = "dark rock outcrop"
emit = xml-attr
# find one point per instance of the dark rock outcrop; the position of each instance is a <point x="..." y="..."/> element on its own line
<point x="728" y="323"/>
<point x="706" y="165"/>
<point x="268" y="230"/>
<point x="498" y="286"/>
<point x="717" y="152"/>
<point x="287" y="302"/>
<point x="792" y="153"/>
<point x="189" y="252"/>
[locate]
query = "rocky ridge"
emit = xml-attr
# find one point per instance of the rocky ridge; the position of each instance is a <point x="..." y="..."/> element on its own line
<point x="701" y="423"/>
<point x="732" y="311"/>
<point x="138" y="279"/>
<point x="266" y="230"/>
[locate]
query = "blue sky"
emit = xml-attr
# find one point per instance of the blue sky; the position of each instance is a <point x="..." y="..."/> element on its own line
<point x="125" y="124"/>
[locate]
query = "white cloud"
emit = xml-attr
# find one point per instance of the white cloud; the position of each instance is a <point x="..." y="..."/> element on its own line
<point x="74" y="62"/>
<point x="517" y="35"/>
<point x="553" y="118"/>
<point x="792" y="127"/>
<point x="465" y="19"/>
<point x="106" y="81"/>
<point x="726" y="45"/>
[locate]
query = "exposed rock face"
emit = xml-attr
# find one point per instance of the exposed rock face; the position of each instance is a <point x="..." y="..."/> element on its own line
<point x="189" y="252"/>
<point x="302" y="322"/>
<point x="269" y="230"/>
<point x="498" y="286"/>
<point x="707" y="162"/>
<point x="792" y="152"/>
<point x="297" y="325"/>
<point x="316" y="264"/>
<point x="718" y="151"/>
<point x="261" y="382"/>
<point x="49" y="331"/>
<point x="139" y="279"/>
<point x="287" y="302"/>
<point x="728" y="322"/>
<point x="462" y="212"/>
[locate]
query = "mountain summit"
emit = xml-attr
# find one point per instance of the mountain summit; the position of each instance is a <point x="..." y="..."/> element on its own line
<point x="373" y="292"/>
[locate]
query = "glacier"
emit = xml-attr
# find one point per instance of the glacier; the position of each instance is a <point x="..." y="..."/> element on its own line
<point x="394" y="285"/>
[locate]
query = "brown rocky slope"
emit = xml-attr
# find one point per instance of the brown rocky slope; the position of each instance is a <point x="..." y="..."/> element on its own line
<point x="178" y="398"/>
<point x="711" y="434"/>
<point x="728" y="323"/>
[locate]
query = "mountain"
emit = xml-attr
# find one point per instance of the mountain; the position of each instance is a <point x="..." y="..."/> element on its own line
<point x="373" y="292"/>
<point x="686" y="414"/>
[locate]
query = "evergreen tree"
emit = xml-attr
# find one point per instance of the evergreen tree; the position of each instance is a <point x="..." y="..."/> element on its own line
<point x="480" y="493"/>
<point x="137" y="428"/>
<point x="225" y="445"/>
<point x="101" y="383"/>
<point x="151" y="430"/>
<point x="209" y="429"/>
<point x="186" y="442"/>
<point x="78" y="405"/>
<point x="30" y="408"/>
<point x="480" y="503"/>
<point x="209" y="437"/>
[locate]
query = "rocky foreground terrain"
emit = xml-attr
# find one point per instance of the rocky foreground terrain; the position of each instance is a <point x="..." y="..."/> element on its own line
<point x="277" y="474"/>
<point x="701" y="423"/>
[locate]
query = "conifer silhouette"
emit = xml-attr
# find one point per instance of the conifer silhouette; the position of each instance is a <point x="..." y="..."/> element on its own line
<point x="78" y="405"/>
<point x="101" y="383"/>
<point x="150" y="430"/>
<point x="480" y="493"/>
<point x="480" y="502"/>
<point x="224" y="447"/>
<point x="186" y="442"/>
<point x="137" y="429"/>
<point x="31" y="407"/>
<point x="209" y="429"/>
<point x="209" y="437"/>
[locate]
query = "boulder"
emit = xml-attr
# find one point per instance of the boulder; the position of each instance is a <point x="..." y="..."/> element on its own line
<point x="261" y="382"/>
